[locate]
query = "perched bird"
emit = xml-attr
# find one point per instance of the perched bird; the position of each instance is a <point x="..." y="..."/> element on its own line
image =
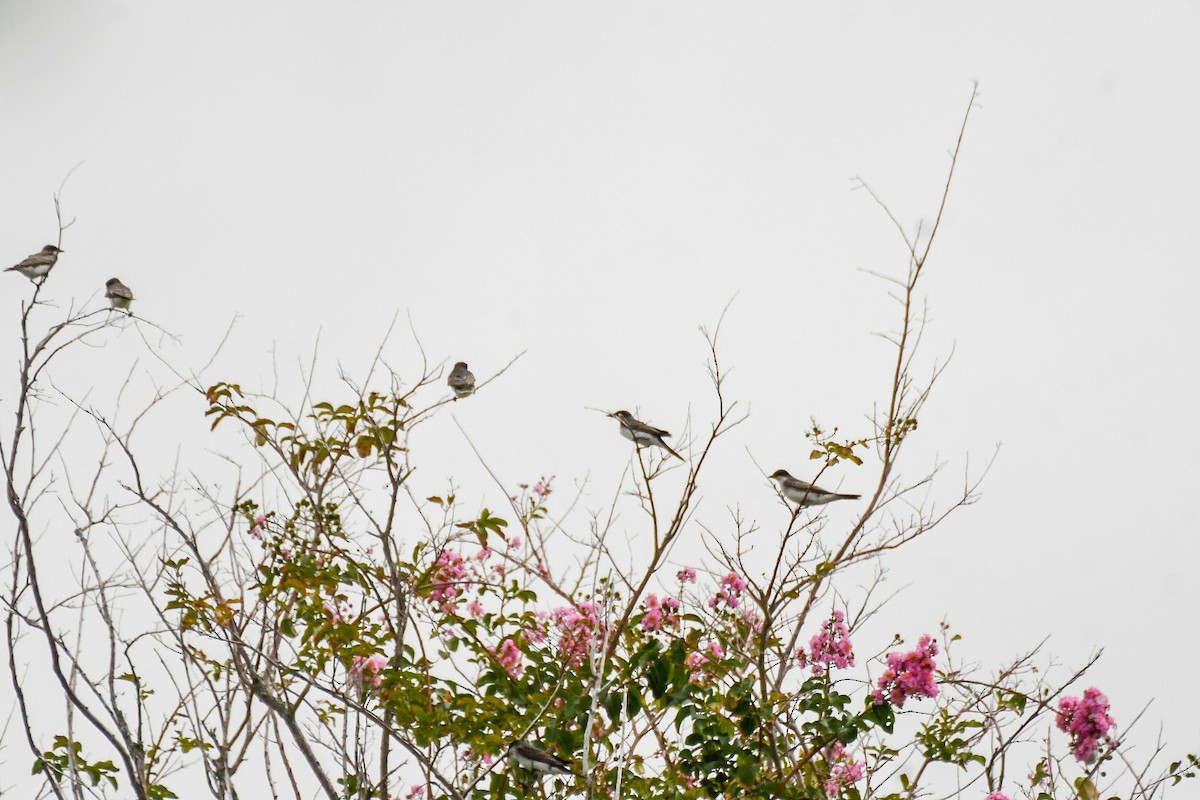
<point x="38" y="265"/>
<point x="118" y="294"/>
<point x="523" y="754"/>
<point x="805" y="494"/>
<point x="461" y="380"/>
<point x="642" y="434"/>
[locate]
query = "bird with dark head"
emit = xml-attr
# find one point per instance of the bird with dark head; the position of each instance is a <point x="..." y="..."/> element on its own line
<point x="803" y="493"/>
<point x="642" y="434"/>
<point x="461" y="381"/>
<point x="525" y="755"/>
<point x="38" y="265"/>
<point x="119" y="295"/>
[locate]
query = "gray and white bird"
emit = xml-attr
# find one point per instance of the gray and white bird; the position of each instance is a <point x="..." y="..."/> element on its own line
<point x="461" y="381"/>
<point x="804" y="494"/>
<point x="118" y="294"/>
<point x="523" y="754"/>
<point x="642" y="434"/>
<point x="38" y="265"/>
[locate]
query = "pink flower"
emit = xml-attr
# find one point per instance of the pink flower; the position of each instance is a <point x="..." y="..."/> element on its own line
<point x="578" y="626"/>
<point x="536" y="633"/>
<point x="1086" y="720"/>
<point x="730" y="592"/>
<point x="447" y="571"/>
<point x="415" y="793"/>
<point x="542" y="488"/>
<point x="476" y="609"/>
<point x="909" y="674"/>
<point x="752" y="618"/>
<point x="686" y="575"/>
<point x="515" y="542"/>
<point x="367" y="670"/>
<point x="338" y="612"/>
<point x="996" y="796"/>
<point x="510" y="656"/>
<point x="694" y="662"/>
<point x="659" y="612"/>
<point x="831" y="647"/>
<point x="843" y="769"/>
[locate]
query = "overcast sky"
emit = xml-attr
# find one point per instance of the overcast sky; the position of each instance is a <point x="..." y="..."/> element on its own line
<point x="592" y="181"/>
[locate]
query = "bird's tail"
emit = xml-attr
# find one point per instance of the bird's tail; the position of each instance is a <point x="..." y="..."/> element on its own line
<point x="667" y="447"/>
<point x="847" y="496"/>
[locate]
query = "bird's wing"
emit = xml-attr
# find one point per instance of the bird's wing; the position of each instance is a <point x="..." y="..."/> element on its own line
<point x="120" y="290"/>
<point x="638" y="425"/>
<point x="36" y="260"/>
<point x="537" y="754"/>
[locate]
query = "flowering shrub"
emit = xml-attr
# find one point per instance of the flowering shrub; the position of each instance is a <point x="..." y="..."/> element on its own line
<point x="365" y="639"/>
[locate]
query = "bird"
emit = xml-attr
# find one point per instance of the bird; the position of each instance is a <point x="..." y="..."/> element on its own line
<point x="523" y="754"/>
<point x="461" y="381"/>
<point x="805" y="494"/>
<point x="38" y="265"/>
<point x="642" y="434"/>
<point x="118" y="294"/>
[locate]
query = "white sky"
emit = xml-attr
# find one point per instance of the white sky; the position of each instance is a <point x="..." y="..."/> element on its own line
<point x="592" y="181"/>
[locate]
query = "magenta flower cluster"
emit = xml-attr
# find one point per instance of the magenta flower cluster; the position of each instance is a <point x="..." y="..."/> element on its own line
<point x="996" y="796"/>
<point x="1086" y="720"/>
<point x="831" y="647"/>
<point x="909" y="674"/>
<point x="730" y="593"/>
<point x="660" y="611"/>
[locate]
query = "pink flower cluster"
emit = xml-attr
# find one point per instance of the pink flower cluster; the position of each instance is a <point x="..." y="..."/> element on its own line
<point x="695" y="661"/>
<point x="578" y="625"/>
<point x="1086" y="720"/>
<point x="996" y="796"/>
<point x="257" y="530"/>
<point x="686" y="575"/>
<point x="843" y="769"/>
<point x="448" y="570"/>
<point x="832" y="646"/>
<point x="909" y="674"/>
<point x="730" y="593"/>
<point x="510" y="657"/>
<point x="366" y="671"/>
<point x="339" y="611"/>
<point x="660" y="611"/>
